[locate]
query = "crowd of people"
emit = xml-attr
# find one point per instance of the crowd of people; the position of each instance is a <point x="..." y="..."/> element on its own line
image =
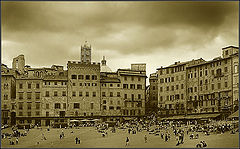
<point x="165" y="130"/>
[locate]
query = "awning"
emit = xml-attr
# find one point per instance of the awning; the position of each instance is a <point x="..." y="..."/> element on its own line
<point x="202" y="116"/>
<point x="128" y="118"/>
<point x="234" y="115"/>
<point x="85" y="120"/>
<point x="95" y="120"/>
<point x="198" y="116"/>
<point x="179" y="117"/>
<point x="74" y="120"/>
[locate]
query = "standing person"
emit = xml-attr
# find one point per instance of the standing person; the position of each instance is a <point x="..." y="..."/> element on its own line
<point x="76" y="140"/>
<point x="79" y="140"/>
<point x="166" y="137"/>
<point x="127" y="141"/>
<point x="145" y="138"/>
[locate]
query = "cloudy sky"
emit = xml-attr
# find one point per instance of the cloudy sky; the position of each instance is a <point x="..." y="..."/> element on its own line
<point x="156" y="33"/>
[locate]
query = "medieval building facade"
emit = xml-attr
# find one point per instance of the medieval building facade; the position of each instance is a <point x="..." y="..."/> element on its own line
<point x="86" y="89"/>
<point x="200" y="86"/>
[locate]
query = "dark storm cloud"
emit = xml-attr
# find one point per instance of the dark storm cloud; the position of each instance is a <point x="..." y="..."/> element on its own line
<point x="124" y="27"/>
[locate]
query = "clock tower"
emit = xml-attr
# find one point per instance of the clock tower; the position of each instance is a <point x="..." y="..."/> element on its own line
<point x="86" y="53"/>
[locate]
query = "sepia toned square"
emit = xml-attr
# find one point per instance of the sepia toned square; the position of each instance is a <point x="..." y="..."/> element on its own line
<point x="120" y="74"/>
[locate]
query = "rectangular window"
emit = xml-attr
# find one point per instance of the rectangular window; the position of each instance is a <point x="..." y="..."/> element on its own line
<point x="80" y="77"/>
<point x="57" y="106"/>
<point x="212" y="86"/>
<point x="176" y="87"/>
<point x="37" y="113"/>
<point x="125" y="86"/>
<point x="20" y="95"/>
<point x="212" y="72"/>
<point x="76" y="106"/>
<point x="226" y="69"/>
<point x="37" y="95"/>
<point x="20" y="106"/>
<point x="47" y="114"/>
<point x="47" y="105"/>
<point x="29" y="113"/>
<point x="47" y="94"/>
<point x="132" y="96"/>
<point x="139" y="96"/>
<point x="13" y="106"/>
<point x="104" y="101"/>
<point x="132" y="78"/>
<point x="87" y="94"/>
<point x="139" y="78"/>
<point x="139" y="86"/>
<point x="167" y="88"/>
<point x="118" y="94"/>
<point x="37" y="105"/>
<point x="74" y="84"/>
<point x="219" y="85"/>
<point x="172" y="88"/>
<point x="161" y="89"/>
<point x="74" y="94"/>
<point x="74" y="76"/>
<point x="29" y="106"/>
<point x="29" y="95"/>
<point x="125" y="96"/>
<point x="80" y="94"/>
<point x="20" y="86"/>
<point x="111" y="108"/>
<point x="103" y="94"/>
<point x="64" y="105"/>
<point x="37" y="86"/>
<point x="87" y="77"/>
<point x="94" y="94"/>
<point x="111" y="94"/>
<point x="91" y="105"/>
<point x="55" y="93"/>
<point x="226" y="84"/>
<point x="29" y="85"/>
<point x="94" y="77"/>
<point x="63" y="93"/>
<point x="55" y="83"/>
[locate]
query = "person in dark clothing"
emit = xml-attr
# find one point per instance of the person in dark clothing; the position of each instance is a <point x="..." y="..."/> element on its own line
<point x="166" y="137"/>
<point x="76" y="140"/>
<point x="127" y="141"/>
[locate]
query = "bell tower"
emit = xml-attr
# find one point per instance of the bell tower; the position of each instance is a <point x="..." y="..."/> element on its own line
<point x="86" y="53"/>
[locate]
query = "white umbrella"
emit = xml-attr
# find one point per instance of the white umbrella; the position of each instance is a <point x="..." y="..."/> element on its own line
<point x="74" y="120"/>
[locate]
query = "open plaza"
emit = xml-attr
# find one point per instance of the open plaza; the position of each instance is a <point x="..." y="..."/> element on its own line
<point x="140" y="135"/>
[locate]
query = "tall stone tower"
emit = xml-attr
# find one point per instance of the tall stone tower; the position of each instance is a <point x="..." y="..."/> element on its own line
<point x="86" y="53"/>
<point x="19" y="63"/>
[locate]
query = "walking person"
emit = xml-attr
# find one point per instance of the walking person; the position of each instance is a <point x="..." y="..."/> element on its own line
<point x="127" y="141"/>
<point x="145" y="138"/>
